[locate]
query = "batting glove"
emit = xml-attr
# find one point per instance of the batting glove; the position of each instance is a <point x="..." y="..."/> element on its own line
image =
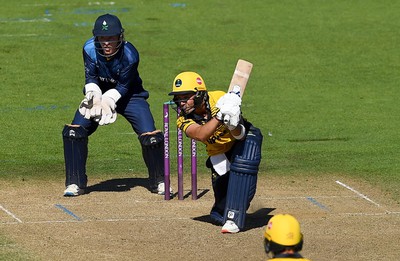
<point x="230" y="115"/>
<point x="108" y="106"/>
<point x="229" y="99"/>
<point x="90" y="106"/>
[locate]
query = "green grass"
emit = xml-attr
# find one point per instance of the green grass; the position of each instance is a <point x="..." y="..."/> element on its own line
<point x="10" y="251"/>
<point x="323" y="89"/>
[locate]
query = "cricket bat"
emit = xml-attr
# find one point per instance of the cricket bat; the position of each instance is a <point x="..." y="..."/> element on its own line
<point x="239" y="80"/>
<point x="240" y="77"/>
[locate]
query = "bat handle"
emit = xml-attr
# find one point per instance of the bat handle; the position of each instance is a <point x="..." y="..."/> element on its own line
<point x="226" y="119"/>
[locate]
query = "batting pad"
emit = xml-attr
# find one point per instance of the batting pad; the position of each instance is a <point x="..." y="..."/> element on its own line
<point x="153" y="153"/>
<point x="75" y="139"/>
<point x="243" y="177"/>
<point x="241" y="190"/>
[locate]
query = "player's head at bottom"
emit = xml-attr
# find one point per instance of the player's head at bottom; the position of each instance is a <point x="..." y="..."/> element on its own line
<point x="282" y="234"/>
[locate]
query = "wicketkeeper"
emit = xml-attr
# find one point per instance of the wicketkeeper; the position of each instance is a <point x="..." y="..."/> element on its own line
<point x="233" y="146"/>
<point x="112" y="85"/>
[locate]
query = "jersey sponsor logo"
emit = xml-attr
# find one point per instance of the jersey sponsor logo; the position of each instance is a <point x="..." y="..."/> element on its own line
<point x="104" y="79"/>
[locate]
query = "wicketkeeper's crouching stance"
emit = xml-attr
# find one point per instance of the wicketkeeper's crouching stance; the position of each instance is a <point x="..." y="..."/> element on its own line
<point x="233" y="146"/>
<point x="112" y="85"/>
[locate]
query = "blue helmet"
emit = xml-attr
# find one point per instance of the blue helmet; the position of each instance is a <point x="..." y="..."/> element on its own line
<point x="107" y="25"/>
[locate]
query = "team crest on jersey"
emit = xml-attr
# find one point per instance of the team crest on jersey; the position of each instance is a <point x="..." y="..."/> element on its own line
<point x="105" y="26"/>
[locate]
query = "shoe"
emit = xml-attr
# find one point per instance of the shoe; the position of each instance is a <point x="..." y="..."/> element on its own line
<point x="161" y="189"/>
<point x="72" y="191"/>
<point x="230" y="227"/>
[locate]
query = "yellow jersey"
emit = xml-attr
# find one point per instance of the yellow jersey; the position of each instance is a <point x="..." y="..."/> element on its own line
<point x="222" y="140"/>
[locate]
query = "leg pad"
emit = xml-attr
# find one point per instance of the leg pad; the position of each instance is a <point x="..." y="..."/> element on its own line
<point x="153" y="153"/>
<point x="75" y="139"/>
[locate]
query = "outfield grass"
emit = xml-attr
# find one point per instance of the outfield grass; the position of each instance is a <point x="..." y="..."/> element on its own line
<point x="11" y="251"/>
<point x="323" y="88"/>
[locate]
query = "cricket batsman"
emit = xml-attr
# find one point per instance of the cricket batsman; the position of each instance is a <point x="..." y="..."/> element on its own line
<point x="112" y="86"/>
<point x="233" y="146"/>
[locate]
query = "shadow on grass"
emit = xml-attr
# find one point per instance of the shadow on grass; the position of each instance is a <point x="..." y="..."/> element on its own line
<point x="118" y="185"/>
<point x="126" y="184"/>
<point x="256" y="219"/>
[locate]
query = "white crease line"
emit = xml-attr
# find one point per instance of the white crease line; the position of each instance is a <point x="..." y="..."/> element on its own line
<point x="99" y="220"/>
<point x="172" y="218"/>
<point x="304" y="197"/>
<point x="369" y="214"/>
<point x="11" y="214"/>
<point x="358" y="193"/>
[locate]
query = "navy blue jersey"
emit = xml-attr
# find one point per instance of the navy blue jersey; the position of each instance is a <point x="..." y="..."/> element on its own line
<point x="119" y="72"/>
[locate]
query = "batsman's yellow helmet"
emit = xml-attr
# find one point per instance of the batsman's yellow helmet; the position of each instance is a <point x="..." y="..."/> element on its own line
<point x="187" y="82"/>
<point x="283" y="229"/>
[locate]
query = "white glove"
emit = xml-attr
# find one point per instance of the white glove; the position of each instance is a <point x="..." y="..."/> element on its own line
<point x="229" y="105"/>
<point x="229" y="99"/>
<point x="108" y="105"/>
<point x="231" y="116"/>
<point x="90" y="106"/>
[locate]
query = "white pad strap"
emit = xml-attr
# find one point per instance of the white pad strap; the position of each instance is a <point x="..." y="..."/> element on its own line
<point x="220" y="163"/>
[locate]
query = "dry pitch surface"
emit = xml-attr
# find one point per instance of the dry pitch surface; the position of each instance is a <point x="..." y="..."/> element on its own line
<point x="342" y="219"/>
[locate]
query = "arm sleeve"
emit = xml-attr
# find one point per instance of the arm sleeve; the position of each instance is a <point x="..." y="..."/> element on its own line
<point x="183" y="123"/>
<point x="90" y="69"/>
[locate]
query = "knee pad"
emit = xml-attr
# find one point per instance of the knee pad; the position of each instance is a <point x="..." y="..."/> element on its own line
<point x="75" y="139"/>
<point x="152" y="150"/>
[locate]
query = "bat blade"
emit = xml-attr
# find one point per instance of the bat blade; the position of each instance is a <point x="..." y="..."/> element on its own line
<point x="240" y="77"/>
<point x="239" y="80"/>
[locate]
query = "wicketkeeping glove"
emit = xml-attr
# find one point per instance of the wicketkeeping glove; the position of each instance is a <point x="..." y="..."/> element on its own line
<point x="90" y="106"/>
<point x="108" y="105"/>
